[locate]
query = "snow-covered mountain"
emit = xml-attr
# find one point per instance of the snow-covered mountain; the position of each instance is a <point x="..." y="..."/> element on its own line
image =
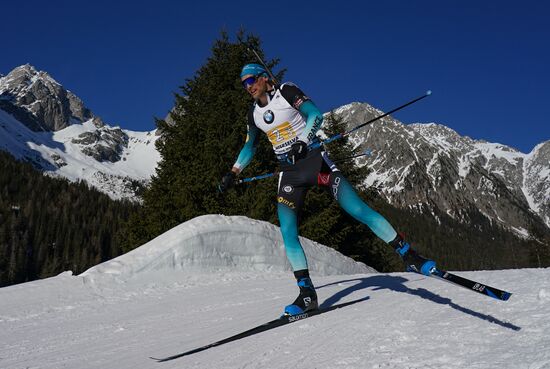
<point x="208" y="279"/>
<point x="47" y="125"/>
<point x="430" y="166"/>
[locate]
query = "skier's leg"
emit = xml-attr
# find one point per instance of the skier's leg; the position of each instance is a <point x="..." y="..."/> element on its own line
<point x="289" y="228"/>
<point x="290" y="200"/>
<point x="350" y="201"/>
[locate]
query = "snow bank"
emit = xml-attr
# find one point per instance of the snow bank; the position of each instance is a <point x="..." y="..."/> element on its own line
<point x="211" y="243"/>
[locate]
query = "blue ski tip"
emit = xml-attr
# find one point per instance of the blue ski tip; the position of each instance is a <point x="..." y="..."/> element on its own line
<point x="506" y="296"/>
<point x="429" y="92"/>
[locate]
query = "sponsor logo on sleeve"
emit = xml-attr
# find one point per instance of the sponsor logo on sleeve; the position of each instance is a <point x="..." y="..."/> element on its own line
<point x="299" y="100"/>
<point x="316" y="125"/>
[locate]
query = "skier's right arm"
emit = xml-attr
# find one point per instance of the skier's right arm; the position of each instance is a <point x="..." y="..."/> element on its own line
<point x="245" y="156"/>
<point x="249" y="148"/>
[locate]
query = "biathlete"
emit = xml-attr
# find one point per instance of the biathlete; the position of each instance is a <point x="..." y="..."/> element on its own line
<point x="291" y="120"/>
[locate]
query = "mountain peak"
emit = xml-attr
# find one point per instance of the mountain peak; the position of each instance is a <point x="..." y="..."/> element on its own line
<point x="25" y="91"/>
<point x="21" y="77"/>
<point x="26" y="67"/>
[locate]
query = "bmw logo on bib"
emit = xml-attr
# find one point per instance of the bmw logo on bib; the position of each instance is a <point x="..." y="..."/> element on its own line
<point x="269" y="117"/>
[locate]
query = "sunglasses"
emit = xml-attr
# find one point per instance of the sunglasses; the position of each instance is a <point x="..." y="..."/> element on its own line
<point x="250" y="81"/>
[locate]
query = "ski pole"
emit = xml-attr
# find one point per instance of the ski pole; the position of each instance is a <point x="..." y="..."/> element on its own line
<point x="268" y="175"/>
<point x="347" y="133"/>
<point x="257" y="178"/>
<point x="341" y="135"/>
<point x="250" y="48"/>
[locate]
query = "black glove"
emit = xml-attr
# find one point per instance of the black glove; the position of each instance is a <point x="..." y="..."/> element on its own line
<point x="227" y="182"/>
<point x="297" y="152"/>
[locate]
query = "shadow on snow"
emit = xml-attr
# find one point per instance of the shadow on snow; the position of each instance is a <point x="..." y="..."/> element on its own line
<point x="397" y="284"/>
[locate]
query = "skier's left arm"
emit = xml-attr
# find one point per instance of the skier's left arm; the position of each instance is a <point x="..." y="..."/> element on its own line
<point x="314" y="120"/>
<point x="302" y="103"/>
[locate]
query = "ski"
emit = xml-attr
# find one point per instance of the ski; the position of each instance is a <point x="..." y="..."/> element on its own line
<point x="284" y="320"/>
<point x="471" y="285"/>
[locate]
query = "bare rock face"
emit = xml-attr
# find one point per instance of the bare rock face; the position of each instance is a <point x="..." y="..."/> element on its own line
<point x="536" y="182"/>
<point x="103" y="144"/>
<point x="47" y="101"/>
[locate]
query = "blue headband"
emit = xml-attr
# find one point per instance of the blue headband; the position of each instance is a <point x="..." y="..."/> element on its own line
<point x="253" y="69"/>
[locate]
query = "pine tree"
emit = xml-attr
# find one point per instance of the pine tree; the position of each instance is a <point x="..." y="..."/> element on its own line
<point x="202" y="145"/>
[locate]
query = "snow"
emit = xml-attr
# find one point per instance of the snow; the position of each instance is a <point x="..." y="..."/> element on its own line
<point x="433" y="161"/>
<point x="139" y="159"/>
<point x="490" y="150"/>
<point x="522" y="232"/>
<point x="400" y="184"/>
<point x="214" y="243"/>
<point x="210" y="278"/>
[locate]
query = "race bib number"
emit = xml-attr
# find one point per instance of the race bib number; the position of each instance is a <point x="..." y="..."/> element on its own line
<point x="281" y="133"/>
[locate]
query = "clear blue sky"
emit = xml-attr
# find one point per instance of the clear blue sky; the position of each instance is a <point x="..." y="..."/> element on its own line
<point x="487" y="62"/>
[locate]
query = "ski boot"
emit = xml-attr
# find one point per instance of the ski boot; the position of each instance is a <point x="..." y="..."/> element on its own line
<point x="413" y="261"/>
<point x="307" y="299"/>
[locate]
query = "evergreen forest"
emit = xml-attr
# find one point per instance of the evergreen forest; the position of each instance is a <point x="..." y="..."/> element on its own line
<point x="49" y="225"/>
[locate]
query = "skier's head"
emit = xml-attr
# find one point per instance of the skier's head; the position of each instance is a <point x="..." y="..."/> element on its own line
<point x="255" y="79"/>
<point x="253" y="69"/>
